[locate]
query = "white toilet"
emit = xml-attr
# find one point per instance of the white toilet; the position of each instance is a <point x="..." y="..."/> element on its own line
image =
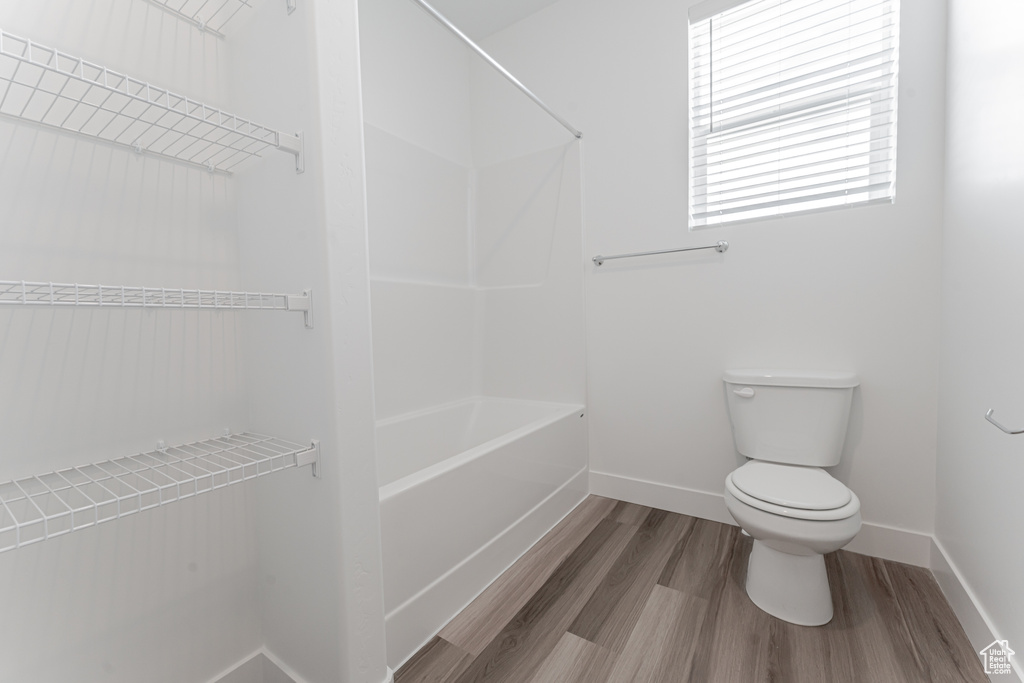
<point x="791" y="424"/>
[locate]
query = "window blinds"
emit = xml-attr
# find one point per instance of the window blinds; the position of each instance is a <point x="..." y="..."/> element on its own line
<point x="792" y="107"/>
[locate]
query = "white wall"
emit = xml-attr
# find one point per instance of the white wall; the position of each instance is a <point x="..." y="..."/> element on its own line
<point x="980" y="511"/>
<point x="321" y="604"/>
<point x="855" y="289"/>
<point x="360" y="648"/>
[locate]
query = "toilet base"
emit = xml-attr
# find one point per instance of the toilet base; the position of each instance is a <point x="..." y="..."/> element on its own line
<point x="793" y="588"/>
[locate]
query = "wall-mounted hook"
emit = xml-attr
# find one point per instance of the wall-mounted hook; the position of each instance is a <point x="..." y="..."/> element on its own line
<point x="290" y="4"/>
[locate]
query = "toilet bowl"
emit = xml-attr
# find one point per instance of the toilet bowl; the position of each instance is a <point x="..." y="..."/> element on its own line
<point x="786" y="575"/>
<point x="791" y="425"/>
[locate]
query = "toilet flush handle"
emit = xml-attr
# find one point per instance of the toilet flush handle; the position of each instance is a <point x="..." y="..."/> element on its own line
<point x="745" y="392"/>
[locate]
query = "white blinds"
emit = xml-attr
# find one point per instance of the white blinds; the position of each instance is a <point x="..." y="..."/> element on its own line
<point x="793" y="108"/>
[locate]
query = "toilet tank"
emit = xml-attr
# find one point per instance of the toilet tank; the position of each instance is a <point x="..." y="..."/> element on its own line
<point x="793" y="417"/>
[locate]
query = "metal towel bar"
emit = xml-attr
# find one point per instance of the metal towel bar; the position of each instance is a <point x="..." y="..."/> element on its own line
<point x="720" y="247"/>
<point x="988" y="416"/>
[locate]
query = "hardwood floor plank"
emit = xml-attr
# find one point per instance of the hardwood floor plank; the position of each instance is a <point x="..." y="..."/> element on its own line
<point x="941" y="648"/>
<point x="516" y="653"/>
<point x="436" y="662"/>
<point x="662" y="644"/>
<point x="701" y="558"/>
<point x="611" y="613"/>
<point x="575" y="660"/>
<point x="857" y="624"/>
<point x="736" y="639"/>
<point x="629" y="513"/>
<point x="881" y="630"/>
<point x="478" y="624"/>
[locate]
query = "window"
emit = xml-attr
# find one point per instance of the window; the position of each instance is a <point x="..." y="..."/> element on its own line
<point x="792" y="106"/>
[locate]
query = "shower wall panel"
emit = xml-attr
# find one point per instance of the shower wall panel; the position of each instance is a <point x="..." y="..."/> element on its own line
<point x="419" y="208"/>
<point x="516" y="211"/>
<point x="424" y="345"/>
<point x="532" y="326"/>
<point x="415" y="79"/>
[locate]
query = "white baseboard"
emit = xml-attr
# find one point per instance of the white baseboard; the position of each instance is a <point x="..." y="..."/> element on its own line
<point x="265" y="667"/>
<point x="877" y="540"/>
<point x="662" y="496"/>
<point x="236" y="669"/>
<point x="891" y="543"/>
<point x="279" y="669"/>
<point x="968" y="609"/>
<point x="261" y="666"/>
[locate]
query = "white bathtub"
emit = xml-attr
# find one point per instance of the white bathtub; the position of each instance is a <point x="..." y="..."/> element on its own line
<point x="465" y="489"/>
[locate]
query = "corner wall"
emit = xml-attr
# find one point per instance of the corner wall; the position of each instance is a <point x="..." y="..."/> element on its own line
<point x="980" y="511"/>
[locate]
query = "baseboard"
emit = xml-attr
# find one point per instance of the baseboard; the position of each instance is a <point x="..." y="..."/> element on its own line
<point x="891" y="543"/>
<point x="275" y="667"/>
<point x="259" y="667"/>
<point x="968" y="609"/>
<point x="662" y="496"/>
<point x="877" y="540"/>
<point x="262" y="666"/>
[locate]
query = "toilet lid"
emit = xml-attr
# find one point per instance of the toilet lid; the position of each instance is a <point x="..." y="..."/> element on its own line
<point x="792" y="486"/>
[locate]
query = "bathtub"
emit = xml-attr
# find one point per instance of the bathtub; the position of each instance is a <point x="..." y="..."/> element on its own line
<point x="465" y="489"/>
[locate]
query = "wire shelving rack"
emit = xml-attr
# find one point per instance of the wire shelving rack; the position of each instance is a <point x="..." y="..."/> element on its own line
<point x="36" y="508"/>
<point x="24" y="293"/>
<point x="207" y="15"/>
<point x="52" y="89"/>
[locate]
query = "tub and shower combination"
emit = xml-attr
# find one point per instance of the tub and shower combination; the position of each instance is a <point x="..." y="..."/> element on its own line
<point x="475" y="214"/>
<point x="465" y="489"/>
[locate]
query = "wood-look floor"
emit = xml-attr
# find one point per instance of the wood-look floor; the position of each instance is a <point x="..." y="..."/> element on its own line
<point x="619" y="592"/>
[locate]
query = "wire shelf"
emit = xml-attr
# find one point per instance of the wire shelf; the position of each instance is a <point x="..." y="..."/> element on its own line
<point x="23" y="293"/>
<point x="52" y="89"/>
<point x="207" y="15"/>
<point x="37" y="508"/>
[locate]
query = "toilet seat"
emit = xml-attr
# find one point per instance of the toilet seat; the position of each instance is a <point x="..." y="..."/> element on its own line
<point x="797" y="486"/>
<point x="795" y="491"/>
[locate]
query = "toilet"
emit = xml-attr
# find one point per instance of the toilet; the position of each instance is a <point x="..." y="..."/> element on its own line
<point x="791" y="424"/>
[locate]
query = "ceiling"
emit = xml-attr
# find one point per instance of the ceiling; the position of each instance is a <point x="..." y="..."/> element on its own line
<point x="480" y="18"/>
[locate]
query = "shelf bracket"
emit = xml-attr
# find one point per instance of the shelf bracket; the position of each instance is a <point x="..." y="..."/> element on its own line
<point x="310" y="457"/>
<point x="304" y="303"/>
<point x="293" y="144"/>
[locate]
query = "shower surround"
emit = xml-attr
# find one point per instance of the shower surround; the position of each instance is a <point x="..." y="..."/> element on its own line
<point x="476" y="263"/>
